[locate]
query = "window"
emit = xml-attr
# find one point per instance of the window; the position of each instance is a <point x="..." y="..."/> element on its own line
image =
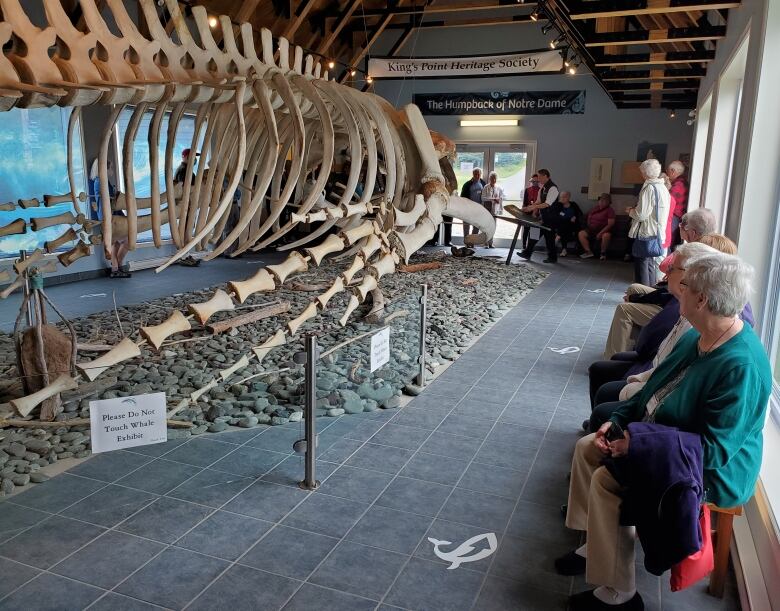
<point x="34" y="163"/>
<point x="141" y="170"/>
<point x="722" y="135"/>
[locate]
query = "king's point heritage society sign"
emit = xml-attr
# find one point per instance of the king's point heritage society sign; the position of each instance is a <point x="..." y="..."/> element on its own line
<point x="528" y="62"/>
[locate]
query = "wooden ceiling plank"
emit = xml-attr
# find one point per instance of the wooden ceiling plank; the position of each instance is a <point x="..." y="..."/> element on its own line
<point x="433" y="10"/>
<point x="606" y="8"/>
<point x="656" y="36"/>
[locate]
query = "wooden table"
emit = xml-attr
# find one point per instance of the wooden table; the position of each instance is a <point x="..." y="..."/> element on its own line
<point x="521" y="220"/>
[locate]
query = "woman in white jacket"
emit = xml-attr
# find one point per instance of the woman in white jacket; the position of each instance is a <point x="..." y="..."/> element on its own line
<point x="648" y="219"/>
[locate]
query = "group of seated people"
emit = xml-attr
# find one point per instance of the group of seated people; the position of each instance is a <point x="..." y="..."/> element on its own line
<point x="676" y="423"/>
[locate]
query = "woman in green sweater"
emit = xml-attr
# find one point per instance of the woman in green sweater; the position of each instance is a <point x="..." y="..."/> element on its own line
<point x="716" y="382"/>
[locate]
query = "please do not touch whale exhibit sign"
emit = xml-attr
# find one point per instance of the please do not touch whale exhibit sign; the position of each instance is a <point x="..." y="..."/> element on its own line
<point x="126" y="422"/>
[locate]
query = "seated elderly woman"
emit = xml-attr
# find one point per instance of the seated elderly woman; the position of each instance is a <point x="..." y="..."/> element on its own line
<point x="716" y="383"/>
<point x="657" y="338"/>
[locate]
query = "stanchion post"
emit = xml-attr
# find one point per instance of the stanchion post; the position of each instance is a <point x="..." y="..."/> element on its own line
<point x="29" y="313"/>
<point x="423" y="319"/>
<point x="310" y="417"/>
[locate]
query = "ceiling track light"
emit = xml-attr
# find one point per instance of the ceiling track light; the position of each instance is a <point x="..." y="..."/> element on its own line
<point x="672" y="114"/>
<point x="546" y="28"/>
<point x="538" y="12"/>
<point x="369" y="79"/>
<point x="352" y="72"/>
<point x="331" y="65"/>
<point x="554" y="43"/>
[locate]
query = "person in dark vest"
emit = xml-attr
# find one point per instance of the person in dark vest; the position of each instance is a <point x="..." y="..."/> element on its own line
<point x="472" y="189"/>
<point x="549" y="208"/>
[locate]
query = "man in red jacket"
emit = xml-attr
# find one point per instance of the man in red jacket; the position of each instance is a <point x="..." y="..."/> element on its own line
<point x="679" y="193"/>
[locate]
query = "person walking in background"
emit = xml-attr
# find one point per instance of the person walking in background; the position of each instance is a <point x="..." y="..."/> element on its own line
<point x="679" y="195"/>
<point x="493" y="198"/>
<point x="648" y="223"/>
<point x="598" y="226"/>
<point x="548" y="206"/>
<point x="569" y="221"/>
<point x="472" y="189"/>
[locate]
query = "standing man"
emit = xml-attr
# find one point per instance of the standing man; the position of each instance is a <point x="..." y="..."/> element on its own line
<point x="679" y="193"/>
<point x="548" y="206"/>
<point x="472" y="189"/>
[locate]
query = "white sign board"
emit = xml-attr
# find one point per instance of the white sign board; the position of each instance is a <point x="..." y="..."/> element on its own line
<point x="484" y="65"/>
<point x="600" y="176"/>
<point x="126" y="422"/>
<point x="380" y="349"/>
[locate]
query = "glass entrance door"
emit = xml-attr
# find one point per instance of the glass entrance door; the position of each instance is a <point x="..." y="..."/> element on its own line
<point x="512" y="162"/>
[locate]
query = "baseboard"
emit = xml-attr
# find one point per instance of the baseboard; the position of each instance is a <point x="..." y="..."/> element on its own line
<point x="157" y="261"/>
<point x="756" y="556"/>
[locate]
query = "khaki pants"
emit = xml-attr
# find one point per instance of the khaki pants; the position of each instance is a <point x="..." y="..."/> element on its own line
<point x="594" y="506"/>
<point x="627" y="315"/>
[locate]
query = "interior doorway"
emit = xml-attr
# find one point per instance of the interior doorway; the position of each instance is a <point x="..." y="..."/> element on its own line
<point x="514" y="164"/>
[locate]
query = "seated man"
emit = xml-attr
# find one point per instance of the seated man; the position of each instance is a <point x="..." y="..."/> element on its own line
<point x="598" y="226"/>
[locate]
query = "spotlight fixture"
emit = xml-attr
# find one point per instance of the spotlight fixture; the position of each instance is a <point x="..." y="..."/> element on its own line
<point x="572" y="70"/>
<point x="546" y="28"/>
<point x="369" y="79"/>
<point x="690" y="122"/>
<point x="538" y="12"/>
<point x="557" y="41"/>
<point x="672" y="114"/>
<point x="573" y="65"/>
<point x="331" y="64"/>
<point x="352" y="72"/>
<point x="692" y="113"/>
<point x="213" y="21"/>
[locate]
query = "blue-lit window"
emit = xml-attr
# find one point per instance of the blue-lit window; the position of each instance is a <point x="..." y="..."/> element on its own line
<point x="34" y="163"/>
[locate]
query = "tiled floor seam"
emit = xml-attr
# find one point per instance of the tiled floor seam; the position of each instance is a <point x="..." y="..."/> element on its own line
<point x="470" y="462"/>
<point x="517" y="503"/>
<point x="113" y="528"/>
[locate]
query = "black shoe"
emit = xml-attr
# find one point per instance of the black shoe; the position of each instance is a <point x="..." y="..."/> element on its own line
<point x="586" y="425"/>
<point x="524" y="256"/>
<point x="587" y="601"/>
<point x="548" y="260"/>
<point x="570" y="564"/>
<point x="564" y="510"/>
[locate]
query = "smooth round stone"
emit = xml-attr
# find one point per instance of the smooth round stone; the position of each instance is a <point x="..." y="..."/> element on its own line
<point x="21" y="479"/>
<point x="333" y="412"/>
<point x="39" y="478"/>
<point x="248" y="423"/>
<point x="7" y="486"/>
<point x="278" y="420"/>
<point x="199" y="430"/>
<point x="296" y="416"/>
<point x="218" y="427"/>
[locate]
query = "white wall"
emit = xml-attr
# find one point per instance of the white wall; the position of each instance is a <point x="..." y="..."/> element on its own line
<point x="566" y="143"/>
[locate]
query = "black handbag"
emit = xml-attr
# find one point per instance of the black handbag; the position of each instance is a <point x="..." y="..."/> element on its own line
<point x="652" y="246"/>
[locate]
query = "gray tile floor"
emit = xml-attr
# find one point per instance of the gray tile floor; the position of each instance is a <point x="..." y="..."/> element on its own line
<point x="218" y="523"/>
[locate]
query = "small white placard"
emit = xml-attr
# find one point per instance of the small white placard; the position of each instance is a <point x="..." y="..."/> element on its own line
<point x="380" y="349"/>
<point x="126" y="422"/>
<point x="466" y="166"/>
<point x="535" y="233"/>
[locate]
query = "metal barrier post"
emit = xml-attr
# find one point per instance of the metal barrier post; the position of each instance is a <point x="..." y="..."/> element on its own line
<point x="310" y="342"/>
<point x="22" y="257"/>
<point x="423" y="318"/>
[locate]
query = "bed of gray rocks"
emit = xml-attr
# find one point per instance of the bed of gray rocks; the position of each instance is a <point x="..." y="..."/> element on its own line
<point x="465" y="296"/>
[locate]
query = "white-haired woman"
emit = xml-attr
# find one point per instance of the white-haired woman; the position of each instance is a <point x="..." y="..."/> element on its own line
<point x="715" y="383"/>
<point x="648" y="223"/>
<point x="493" y="198"/>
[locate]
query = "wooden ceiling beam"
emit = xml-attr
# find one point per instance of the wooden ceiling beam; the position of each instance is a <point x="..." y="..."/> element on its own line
<point x="639" y="59"/>
<point x="449" y="8"/>
<point x="373" y="37"/>
<point x="304" y="8"/>
<point x="338" y="26"/>
<point x="452" y="23"/>
<point x="657" y="36"/>
<point x="624" y="8"/>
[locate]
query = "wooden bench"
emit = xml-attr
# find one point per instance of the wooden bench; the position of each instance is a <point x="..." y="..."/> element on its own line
<point x="722" y="530"/>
